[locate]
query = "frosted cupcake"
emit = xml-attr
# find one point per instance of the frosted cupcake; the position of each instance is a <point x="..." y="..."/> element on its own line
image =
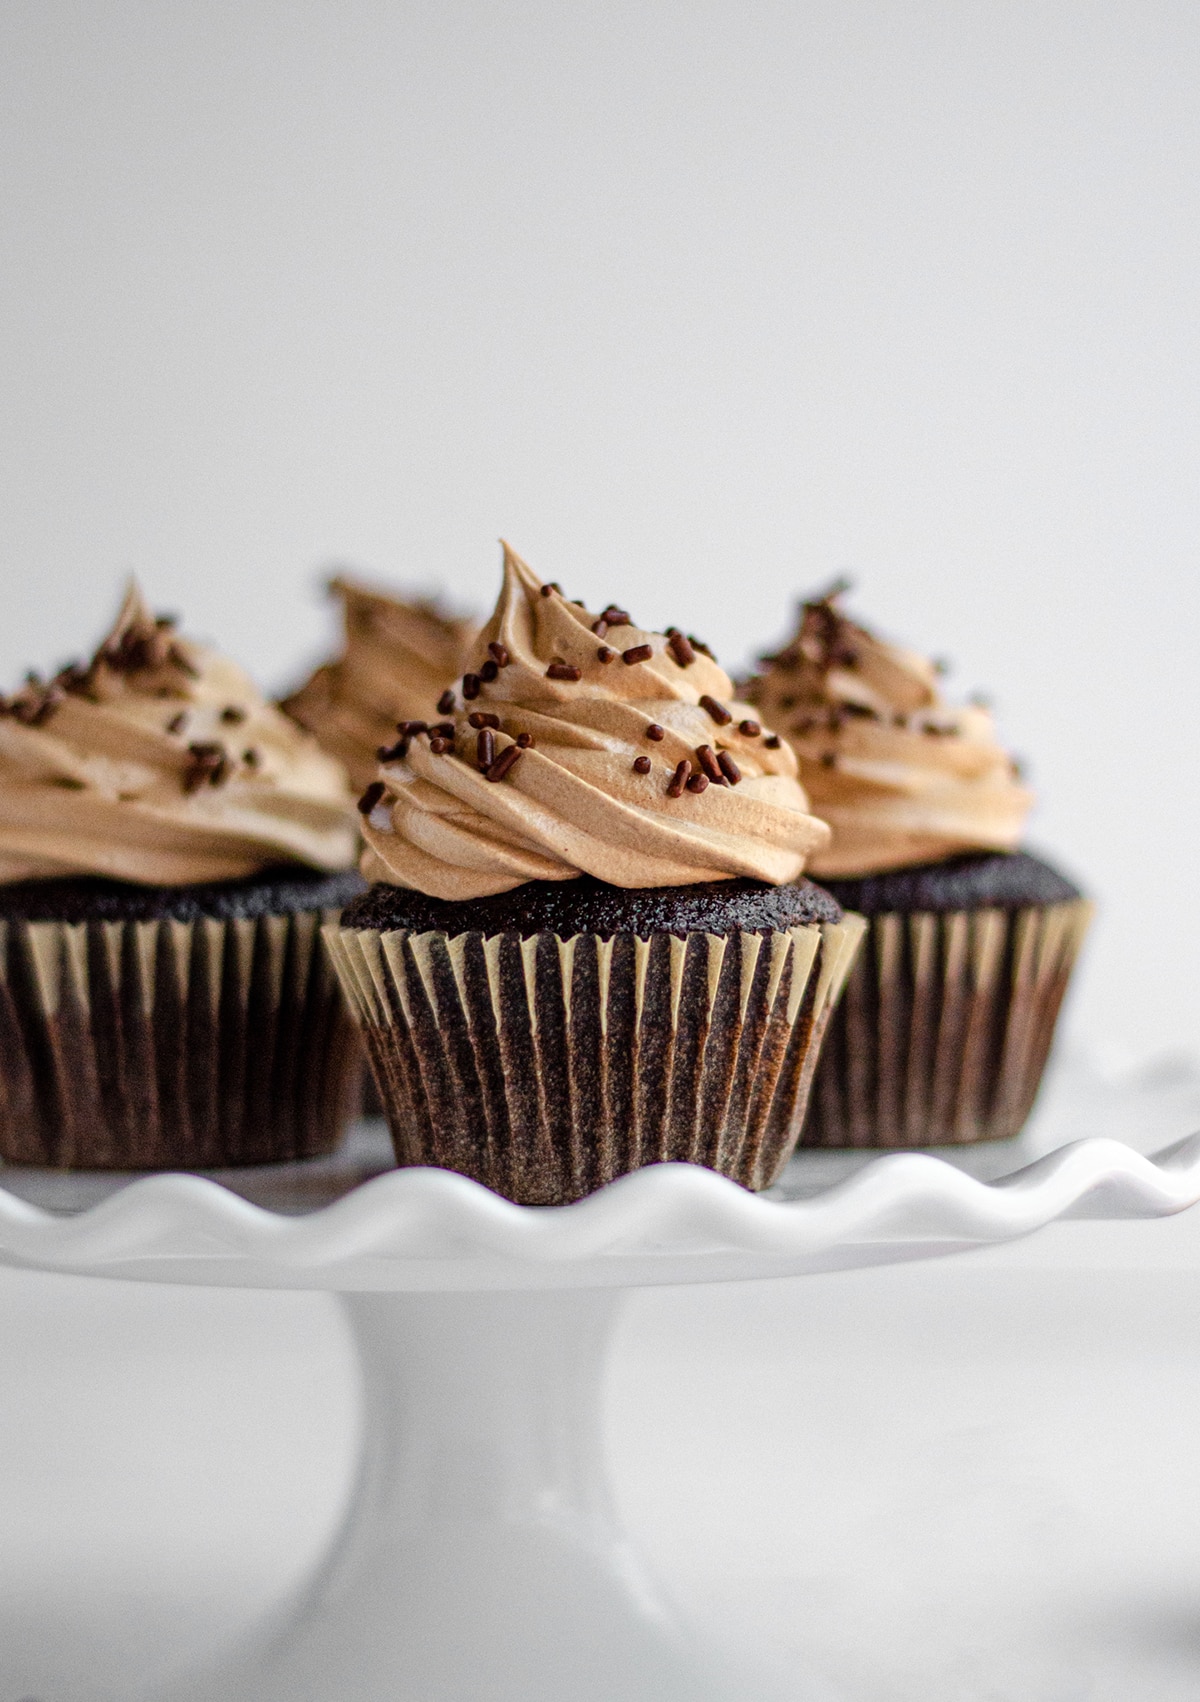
<point x="949" y="1014"/>
<point x="397" y="660"/>
<point x="588" y="945"/>
<point x="169" y="845"/>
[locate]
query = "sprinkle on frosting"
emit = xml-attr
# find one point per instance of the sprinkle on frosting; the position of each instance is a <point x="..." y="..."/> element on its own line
<point x="901" y="776"/>
<point x="565" y="791"/>
<point x="396" y="658"/>
<point x="159" y="762"/>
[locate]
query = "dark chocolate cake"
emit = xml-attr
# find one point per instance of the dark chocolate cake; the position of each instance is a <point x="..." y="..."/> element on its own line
<point x="995" y="880"/>
<point x="588" y="906"/>
<point x="87" y="898"/>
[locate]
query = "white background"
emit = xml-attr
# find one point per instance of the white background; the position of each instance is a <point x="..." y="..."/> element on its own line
<point x="697" y="304"/>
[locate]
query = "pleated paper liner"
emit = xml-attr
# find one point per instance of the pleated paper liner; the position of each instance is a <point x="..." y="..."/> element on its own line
<point x="193" y="1045"/>
<point x="945" y="1027"/>
<point x="545" y="1067"/>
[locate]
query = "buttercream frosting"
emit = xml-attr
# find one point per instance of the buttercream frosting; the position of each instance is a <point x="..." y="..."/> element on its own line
<point x="901" y="776"/>
<point x="397" y="659"/>
<point x="160" y="762"/>
<point x="598" y="758"/>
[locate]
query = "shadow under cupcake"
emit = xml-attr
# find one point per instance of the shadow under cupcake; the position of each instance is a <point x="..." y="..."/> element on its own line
<point x="588" y="946"/>
<point x="949" y="1014"/>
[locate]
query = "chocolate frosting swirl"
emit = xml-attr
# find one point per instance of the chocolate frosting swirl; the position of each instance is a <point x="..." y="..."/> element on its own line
<point x="397" y="659"/>
<point x="160" y="763"/>
<point x="901" y="776"/>
<point x="612" y="714"/>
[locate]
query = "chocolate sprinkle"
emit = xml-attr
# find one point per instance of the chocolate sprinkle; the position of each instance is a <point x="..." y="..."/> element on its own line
<point x="679" y="779"/>
<point x="655" y="732"/>
<point x="442" y="730"/>
<point x="233" y="713"/>
<point x="177" y="722"/>
<point x="707" y="758"/>
<point x="525" y="741"/>
<point x="485" y="748"/>
<point x="488" y="672"/>
<point x="638" y="653"/>
<point x="371" y="797"/>
<point x="392" y="753"/>
<point x="617" y="617"/>
<point x="445" y="703"/>
<point x="481" y="718"/>
<point x="641" y="765"/>
<point x="729" y="768"/>
<point x="562" y="671"/>
<point x="604" y="654"/>
<point x="750" y="729"/>
<point x="439" y="747"/>
<point x="470" y="686"/>
<point x="772" y="742"/>
<point x="698" y="783"/>
<point x="505" y="762"/>
<point x="208" y="764"/>
<point x="412" y="727"/>
<point x="600" y="627"/>
<point x="36" y="703"/>
<point x="680" y="647"/>
<point x="499" y="654"/>
<point x="717" y="710"/>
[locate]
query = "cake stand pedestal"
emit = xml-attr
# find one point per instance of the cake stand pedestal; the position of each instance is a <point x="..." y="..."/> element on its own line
<point x="480" y="1558"/>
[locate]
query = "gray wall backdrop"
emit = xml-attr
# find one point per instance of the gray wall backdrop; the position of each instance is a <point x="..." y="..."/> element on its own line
<point x="696" y="303"/>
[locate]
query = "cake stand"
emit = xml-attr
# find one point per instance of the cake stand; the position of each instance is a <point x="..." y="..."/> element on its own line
<point x="480" y="1559"/>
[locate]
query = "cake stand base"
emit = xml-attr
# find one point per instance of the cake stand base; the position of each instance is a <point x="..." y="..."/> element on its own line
<point x="480" y="1559"/>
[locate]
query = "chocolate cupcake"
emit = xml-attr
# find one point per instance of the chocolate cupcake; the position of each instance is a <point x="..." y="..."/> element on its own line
<point x="169" y="847"/>
<point x="949" y="1013"/>
<point x="397" y="659"/>
<point x="588" y="946"/>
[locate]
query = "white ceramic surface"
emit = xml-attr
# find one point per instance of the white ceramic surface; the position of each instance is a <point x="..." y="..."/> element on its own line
<point x="432" y="1231"/>
<point x="480" y="1557"/>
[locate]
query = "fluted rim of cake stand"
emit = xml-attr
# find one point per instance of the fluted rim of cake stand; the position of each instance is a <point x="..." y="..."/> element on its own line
<point x="425" y="1229"/>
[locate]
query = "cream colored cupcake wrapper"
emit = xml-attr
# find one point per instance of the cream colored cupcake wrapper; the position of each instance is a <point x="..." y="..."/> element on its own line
<point x="545" y="1067"/>
<point x="144" y="1045"/>
<point x="945" y="1027"/>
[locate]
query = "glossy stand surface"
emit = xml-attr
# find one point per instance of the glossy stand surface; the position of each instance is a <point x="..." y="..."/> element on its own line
<point x="480" y="1556"/>
<point x="479" y="1559"/>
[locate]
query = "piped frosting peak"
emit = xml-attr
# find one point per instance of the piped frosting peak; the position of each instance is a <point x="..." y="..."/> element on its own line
<point x="396" y="659"/>
<point x="901" y="776"/>
<point x="160" y="762"/>
<point x="581" y="743"/>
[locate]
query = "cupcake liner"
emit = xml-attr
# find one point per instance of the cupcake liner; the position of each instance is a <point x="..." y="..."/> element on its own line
<point x="140" y="1045"/>
<point x="544" y="1067"/>
<point x="945" y="1027"/>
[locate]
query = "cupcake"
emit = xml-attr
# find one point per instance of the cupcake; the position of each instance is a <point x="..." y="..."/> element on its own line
<point x="949" y="1013"/>
<point x="587" y="945"/>
<point x="397" y="660"/>
<point x="169" y="847"/>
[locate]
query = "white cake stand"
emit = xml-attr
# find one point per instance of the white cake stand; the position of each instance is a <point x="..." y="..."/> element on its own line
<point x="480" y="1559"/>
